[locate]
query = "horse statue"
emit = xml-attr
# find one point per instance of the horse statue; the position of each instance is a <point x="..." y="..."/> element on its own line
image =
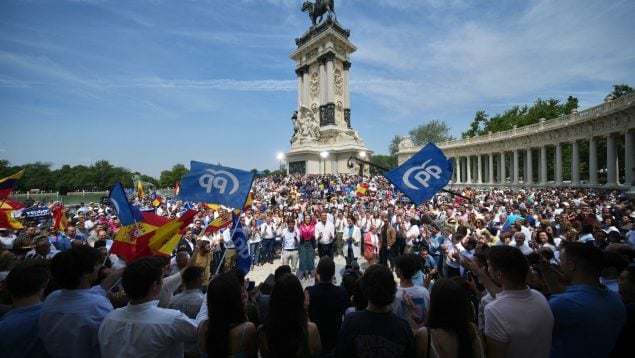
<point x="318" y="9"/>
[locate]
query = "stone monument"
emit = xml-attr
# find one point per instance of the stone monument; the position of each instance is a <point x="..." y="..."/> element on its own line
<point x="323" y="139"/>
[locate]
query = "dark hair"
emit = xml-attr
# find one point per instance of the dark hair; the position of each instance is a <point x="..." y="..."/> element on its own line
<point x="326" y="268"/>
<point x="450" y="310"/>
<point x="68" y="267"/>
<point x="28" y="278"/>
<point x="192" y="273"/>
<point x="286" y="324"/>
<point x="511" y="261"/>
<point x="240" y="275"/>
<point x="407" y="265"/>
<point x="378" y="285"/>
<point x="140" y="275"/>
<point x="281" y="270"/>
<point x="359" y="299"/>
<point x="588" y="258"/>
<point x="99" y="244"/>
<point x="225" y="306"/>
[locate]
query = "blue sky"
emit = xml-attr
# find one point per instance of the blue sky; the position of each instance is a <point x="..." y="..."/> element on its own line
<point x="147" y="84"/>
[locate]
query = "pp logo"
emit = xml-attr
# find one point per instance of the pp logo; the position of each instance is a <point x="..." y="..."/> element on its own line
<point x="218" y="180"/>
<point x="422" y="175"/>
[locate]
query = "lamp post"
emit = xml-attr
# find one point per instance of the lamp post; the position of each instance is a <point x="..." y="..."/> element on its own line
<point x="362" y="154"/>
<point x="324" y="155"/>
<point x="280" y="156"/>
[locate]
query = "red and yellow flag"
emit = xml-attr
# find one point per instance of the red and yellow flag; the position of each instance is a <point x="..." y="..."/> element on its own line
<point x="225" y="219"/>
<point x="60" y="221"/>
<point x="362" y="189"/>
<point x="176" y="189"/>
<point x="7" y="184"/>
<point x="9" y="222"/>
<point x="140" y="190"/>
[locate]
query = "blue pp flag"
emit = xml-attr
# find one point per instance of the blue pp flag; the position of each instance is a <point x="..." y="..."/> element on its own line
<point x="242" y="248"/>
<point x="215" y="184"/>
<point x="423" y="175"/>
<point x="127" y="215"/>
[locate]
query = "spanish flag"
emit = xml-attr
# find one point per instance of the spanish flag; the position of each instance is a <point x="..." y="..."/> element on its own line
<point x="60" y="221"/>
<point x="158" y="201"/>
<point x="11" y="205"/>
<point x="176" y="189"/>
<point x="7" y="184"/>
<point x="225" y="220"/>
<point x="362" y="189"/>
<point x="140" y="190"/>
<point x="9" y="222"/>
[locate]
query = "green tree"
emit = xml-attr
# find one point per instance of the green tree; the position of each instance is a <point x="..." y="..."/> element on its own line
<point x="476" y="127"/>
<point x="386" y="161"/>
<point x="621" y="90"/>
<point x="169" y="178"/>
<point x="393" y="148"/>
<point x="434" y="131"/>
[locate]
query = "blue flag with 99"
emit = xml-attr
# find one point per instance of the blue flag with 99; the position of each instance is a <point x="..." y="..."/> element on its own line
<point x="423" y="175"/>
<point x="215" y="184"/>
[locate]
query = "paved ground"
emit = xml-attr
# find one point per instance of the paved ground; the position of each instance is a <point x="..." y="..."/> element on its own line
<point x="260" y="273"/>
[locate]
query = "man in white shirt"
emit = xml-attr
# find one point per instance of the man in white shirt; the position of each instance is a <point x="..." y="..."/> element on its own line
<point x="325" y="234"/>
<point x="340" y="225"/>
<point x="141" y="328"/>
<point x="520" y="242"/>
<point x="518" y="322"/>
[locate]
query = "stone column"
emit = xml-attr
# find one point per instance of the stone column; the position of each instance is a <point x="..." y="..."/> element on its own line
<point x="611" y="157"/>
<point x="322" y="93"/>
<point x="575" y="163"/>
<point x="503" y="176"/>
<point x="490" y="179"/>
<point x="629" y="157"/>
<point x="479" y="165"/>
<point x="558" y="165"/>
<point x="458" y="170"/>
<point x="543" y="165"/>
<point x="306" y="89"/>
<point x="347" y="99"/>
<point x="593" y="161"/>
<point x="299" y="72"/>
<point x="515" y="177"/>
<point x="468" y="166"/>
<point x="529" y="168"/>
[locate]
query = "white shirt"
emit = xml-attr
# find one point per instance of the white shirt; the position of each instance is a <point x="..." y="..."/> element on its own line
<point x="523" y="320"/>
<point x="327" y="230"/>
<point x="7" y="241"/>
<point x="146" y="330"/>
<point x="227" y="239"/>
<point x="170" y="284"/>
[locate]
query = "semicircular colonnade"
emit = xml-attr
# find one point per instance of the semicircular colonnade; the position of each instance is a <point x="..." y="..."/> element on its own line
<point x="532" y="155"/>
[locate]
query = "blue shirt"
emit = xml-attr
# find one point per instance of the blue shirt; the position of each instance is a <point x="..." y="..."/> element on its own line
<point x="19" y="333"/>
<point x="60" y="242"/>
<point x="70" y="321"/>
<point x="435" y="243"/>
<point x="587" y="321"/>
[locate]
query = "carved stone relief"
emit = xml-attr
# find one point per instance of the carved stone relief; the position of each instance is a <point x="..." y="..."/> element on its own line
<point x="339" y="82"/>
<point x="314" y="85"/>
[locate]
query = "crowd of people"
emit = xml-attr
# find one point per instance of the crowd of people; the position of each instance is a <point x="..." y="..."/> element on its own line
<point x="475" y="273"/>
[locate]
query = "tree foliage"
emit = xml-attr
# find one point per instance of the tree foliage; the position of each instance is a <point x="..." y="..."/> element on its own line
<point x="434" y="131"/>
<point x="393" y="148"/>
<point x="621" y="90"/>
<point x="386" y="161"/>
<point x="169" y="178"/>
<point x="99" y="176"/>
<point x="519" y="116"/>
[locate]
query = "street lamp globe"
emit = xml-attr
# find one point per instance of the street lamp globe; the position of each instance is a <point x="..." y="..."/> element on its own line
<point x="324" y="154"/>
<point x="362" y="154"/>
<point x="280" y="156"/>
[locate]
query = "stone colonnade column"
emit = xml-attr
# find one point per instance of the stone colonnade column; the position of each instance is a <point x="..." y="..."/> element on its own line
<point x="611" y="157"/>
<point x="516" y="167"/>
<point x="575" y="162"/>
<point x="629" y="157"/>
<point x="558" y="165"/>
<point x="529" y="168"/>
<point x="468" y="166"/>
<point x="543" y="165"/>
<point x="458" y="170"/>
<point x="490" y="179"/>
<point x="479" y="165"/>
<point x="306" y="99"/>
<point x="503" y="176"/>
<point x="593" y="161"/>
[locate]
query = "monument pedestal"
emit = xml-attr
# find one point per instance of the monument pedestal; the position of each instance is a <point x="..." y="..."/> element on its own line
<point x="323" y="139"/>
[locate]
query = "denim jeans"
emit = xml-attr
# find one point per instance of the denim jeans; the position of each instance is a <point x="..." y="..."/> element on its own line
<point x="254" y="250"/>
<point x="267" y="250"/>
